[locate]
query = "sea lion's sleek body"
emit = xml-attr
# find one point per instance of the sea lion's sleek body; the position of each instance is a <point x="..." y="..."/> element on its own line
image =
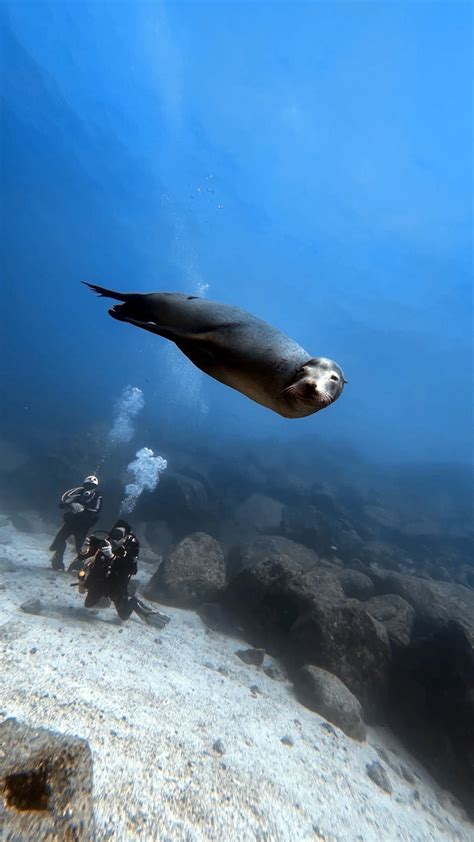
<point x="235" y="348"/>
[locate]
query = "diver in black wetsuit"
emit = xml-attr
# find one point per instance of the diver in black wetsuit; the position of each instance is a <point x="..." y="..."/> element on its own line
<point x="82" y="505"/>
<point x="107" y="571"/>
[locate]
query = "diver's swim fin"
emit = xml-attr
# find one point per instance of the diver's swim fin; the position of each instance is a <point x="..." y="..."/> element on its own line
<point x="159" y="621"/>
<point x="152" y="618"/>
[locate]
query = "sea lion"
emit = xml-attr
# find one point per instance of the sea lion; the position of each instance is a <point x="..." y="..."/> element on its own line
<point x="235" y="348"/>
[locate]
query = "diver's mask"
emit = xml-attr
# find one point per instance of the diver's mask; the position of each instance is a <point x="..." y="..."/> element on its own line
<point x="117" y="536"/>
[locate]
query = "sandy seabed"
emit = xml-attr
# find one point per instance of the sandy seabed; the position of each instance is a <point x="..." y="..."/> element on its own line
<point x="153" y="704"/>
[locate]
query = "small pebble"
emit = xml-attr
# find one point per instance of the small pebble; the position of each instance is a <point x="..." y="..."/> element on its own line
<point x="33" y="650"/>
<point x="328" y="727"/>
<point x="251" y="656"/>
<point x="287" y="741"/>
<point x="273" y="672"/>
<point x="31" y="606"/>
<point x="378" y="775"/>
<point x="7" y="566"/>
<point x="219" y="747"/>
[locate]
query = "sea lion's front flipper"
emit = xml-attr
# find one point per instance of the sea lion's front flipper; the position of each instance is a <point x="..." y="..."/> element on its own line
<point x="203" y="335"/>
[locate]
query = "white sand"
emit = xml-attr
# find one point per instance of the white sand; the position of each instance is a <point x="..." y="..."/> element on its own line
<point x="152" y="704"/>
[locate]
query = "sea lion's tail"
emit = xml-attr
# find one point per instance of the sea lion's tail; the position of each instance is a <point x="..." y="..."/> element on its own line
<point x="108" y="293"/>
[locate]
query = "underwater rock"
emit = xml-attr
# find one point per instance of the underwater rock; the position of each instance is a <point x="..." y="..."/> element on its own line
<point x="356" y="584"/>
<point x="432" y="704"/>
<point x="159" y="537"/>
<point x="215" y="617"/>
<point x="7" y="534"/>
<point x="305" y="618"/>
<point x="274" y="672"/>
<point x="324" y="583"/>
<point x="344" y="639"/>
<point x="7" y="566"/>
<point x="436" y="603"/>
<point x="181" y="502"/>
<point x="378" y="775"/>
<point x="251" y="656"/>
<point x="31" y="606"/>
<point x="29" y="522"/>
<point x="219" y="747"/>
<point x="277" y="548"/>
<point x="305" y="524"/>
<point x="260" y="512"/>
<point x="46" y="784"/>
<point x="396" y="614"/>
<point x="465" y="575"/>
<point x="327" y="695"/>
<point x="381" y="553"/>
<point x="190" y="574"/>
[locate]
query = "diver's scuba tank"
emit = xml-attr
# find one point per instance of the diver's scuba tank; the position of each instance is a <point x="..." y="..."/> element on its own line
<point x="87" y="570"/>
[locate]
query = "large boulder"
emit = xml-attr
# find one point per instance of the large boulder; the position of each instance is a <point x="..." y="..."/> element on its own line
<point x="159" y="536"/>
<point x="436" y="604"/>
<point x="260" y="513"/>
<point x="432" y="705"/>
<point x="341" y="637"/>
<point x="432" y="683"/>
<point x="396" y="614"/>
<point x="306" y="525"/>
<point x="305" y="618"/>
<point x="181" y="501"/>
<point x="190" y="574"/>
<point x="45" y="785"/>
<point x="327" y="695"/>
<point x="277" y="548"/>
<point x="356" y="585"/>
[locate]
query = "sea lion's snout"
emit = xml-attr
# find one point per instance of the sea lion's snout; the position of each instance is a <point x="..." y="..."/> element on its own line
<point x="318" y="383"/>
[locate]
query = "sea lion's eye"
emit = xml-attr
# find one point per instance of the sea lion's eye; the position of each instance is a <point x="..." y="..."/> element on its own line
<point x="334" y="377"/>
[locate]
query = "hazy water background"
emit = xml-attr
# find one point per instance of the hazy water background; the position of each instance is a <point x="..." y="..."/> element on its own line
<point x="308" y="162"/>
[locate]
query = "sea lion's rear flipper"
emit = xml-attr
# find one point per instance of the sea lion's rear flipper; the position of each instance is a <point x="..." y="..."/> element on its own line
<point x="107" y="293"/>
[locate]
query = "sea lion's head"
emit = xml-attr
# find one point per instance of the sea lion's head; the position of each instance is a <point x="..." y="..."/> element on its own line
<point x="318" y="383"/>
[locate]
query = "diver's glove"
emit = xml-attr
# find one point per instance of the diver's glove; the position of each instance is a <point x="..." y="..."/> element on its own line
<point x="107" y="550"/>
<point x="76" y="508"/>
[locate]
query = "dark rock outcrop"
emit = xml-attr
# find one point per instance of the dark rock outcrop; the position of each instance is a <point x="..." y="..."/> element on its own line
<point x="356" y="585"/>
<point x="344" y="639"/>
<point x="274" y="547"/>
<point x="307" y="525"/>
<point x="182" y="502"/>
<point x="190" y="574"/>
<point x="396" y="614"/>
<point x="327" y="695"/>
<point x="260" y="513"/>
<point x="304" y="618"/>
<point x="45" y="785"/>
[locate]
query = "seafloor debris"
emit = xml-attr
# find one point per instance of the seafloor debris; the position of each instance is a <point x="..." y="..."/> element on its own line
<point x="45" y="784"/>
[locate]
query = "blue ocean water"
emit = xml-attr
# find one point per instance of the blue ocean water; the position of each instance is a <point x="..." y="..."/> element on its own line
<point x="310" y="163"/>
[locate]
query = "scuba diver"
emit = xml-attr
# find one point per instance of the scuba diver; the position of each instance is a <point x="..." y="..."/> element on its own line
<point x="82" y="506"/>
<point x="106" y="567"/>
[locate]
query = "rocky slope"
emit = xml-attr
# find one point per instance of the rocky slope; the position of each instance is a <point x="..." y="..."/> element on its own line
<point x="189" y="742"/>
